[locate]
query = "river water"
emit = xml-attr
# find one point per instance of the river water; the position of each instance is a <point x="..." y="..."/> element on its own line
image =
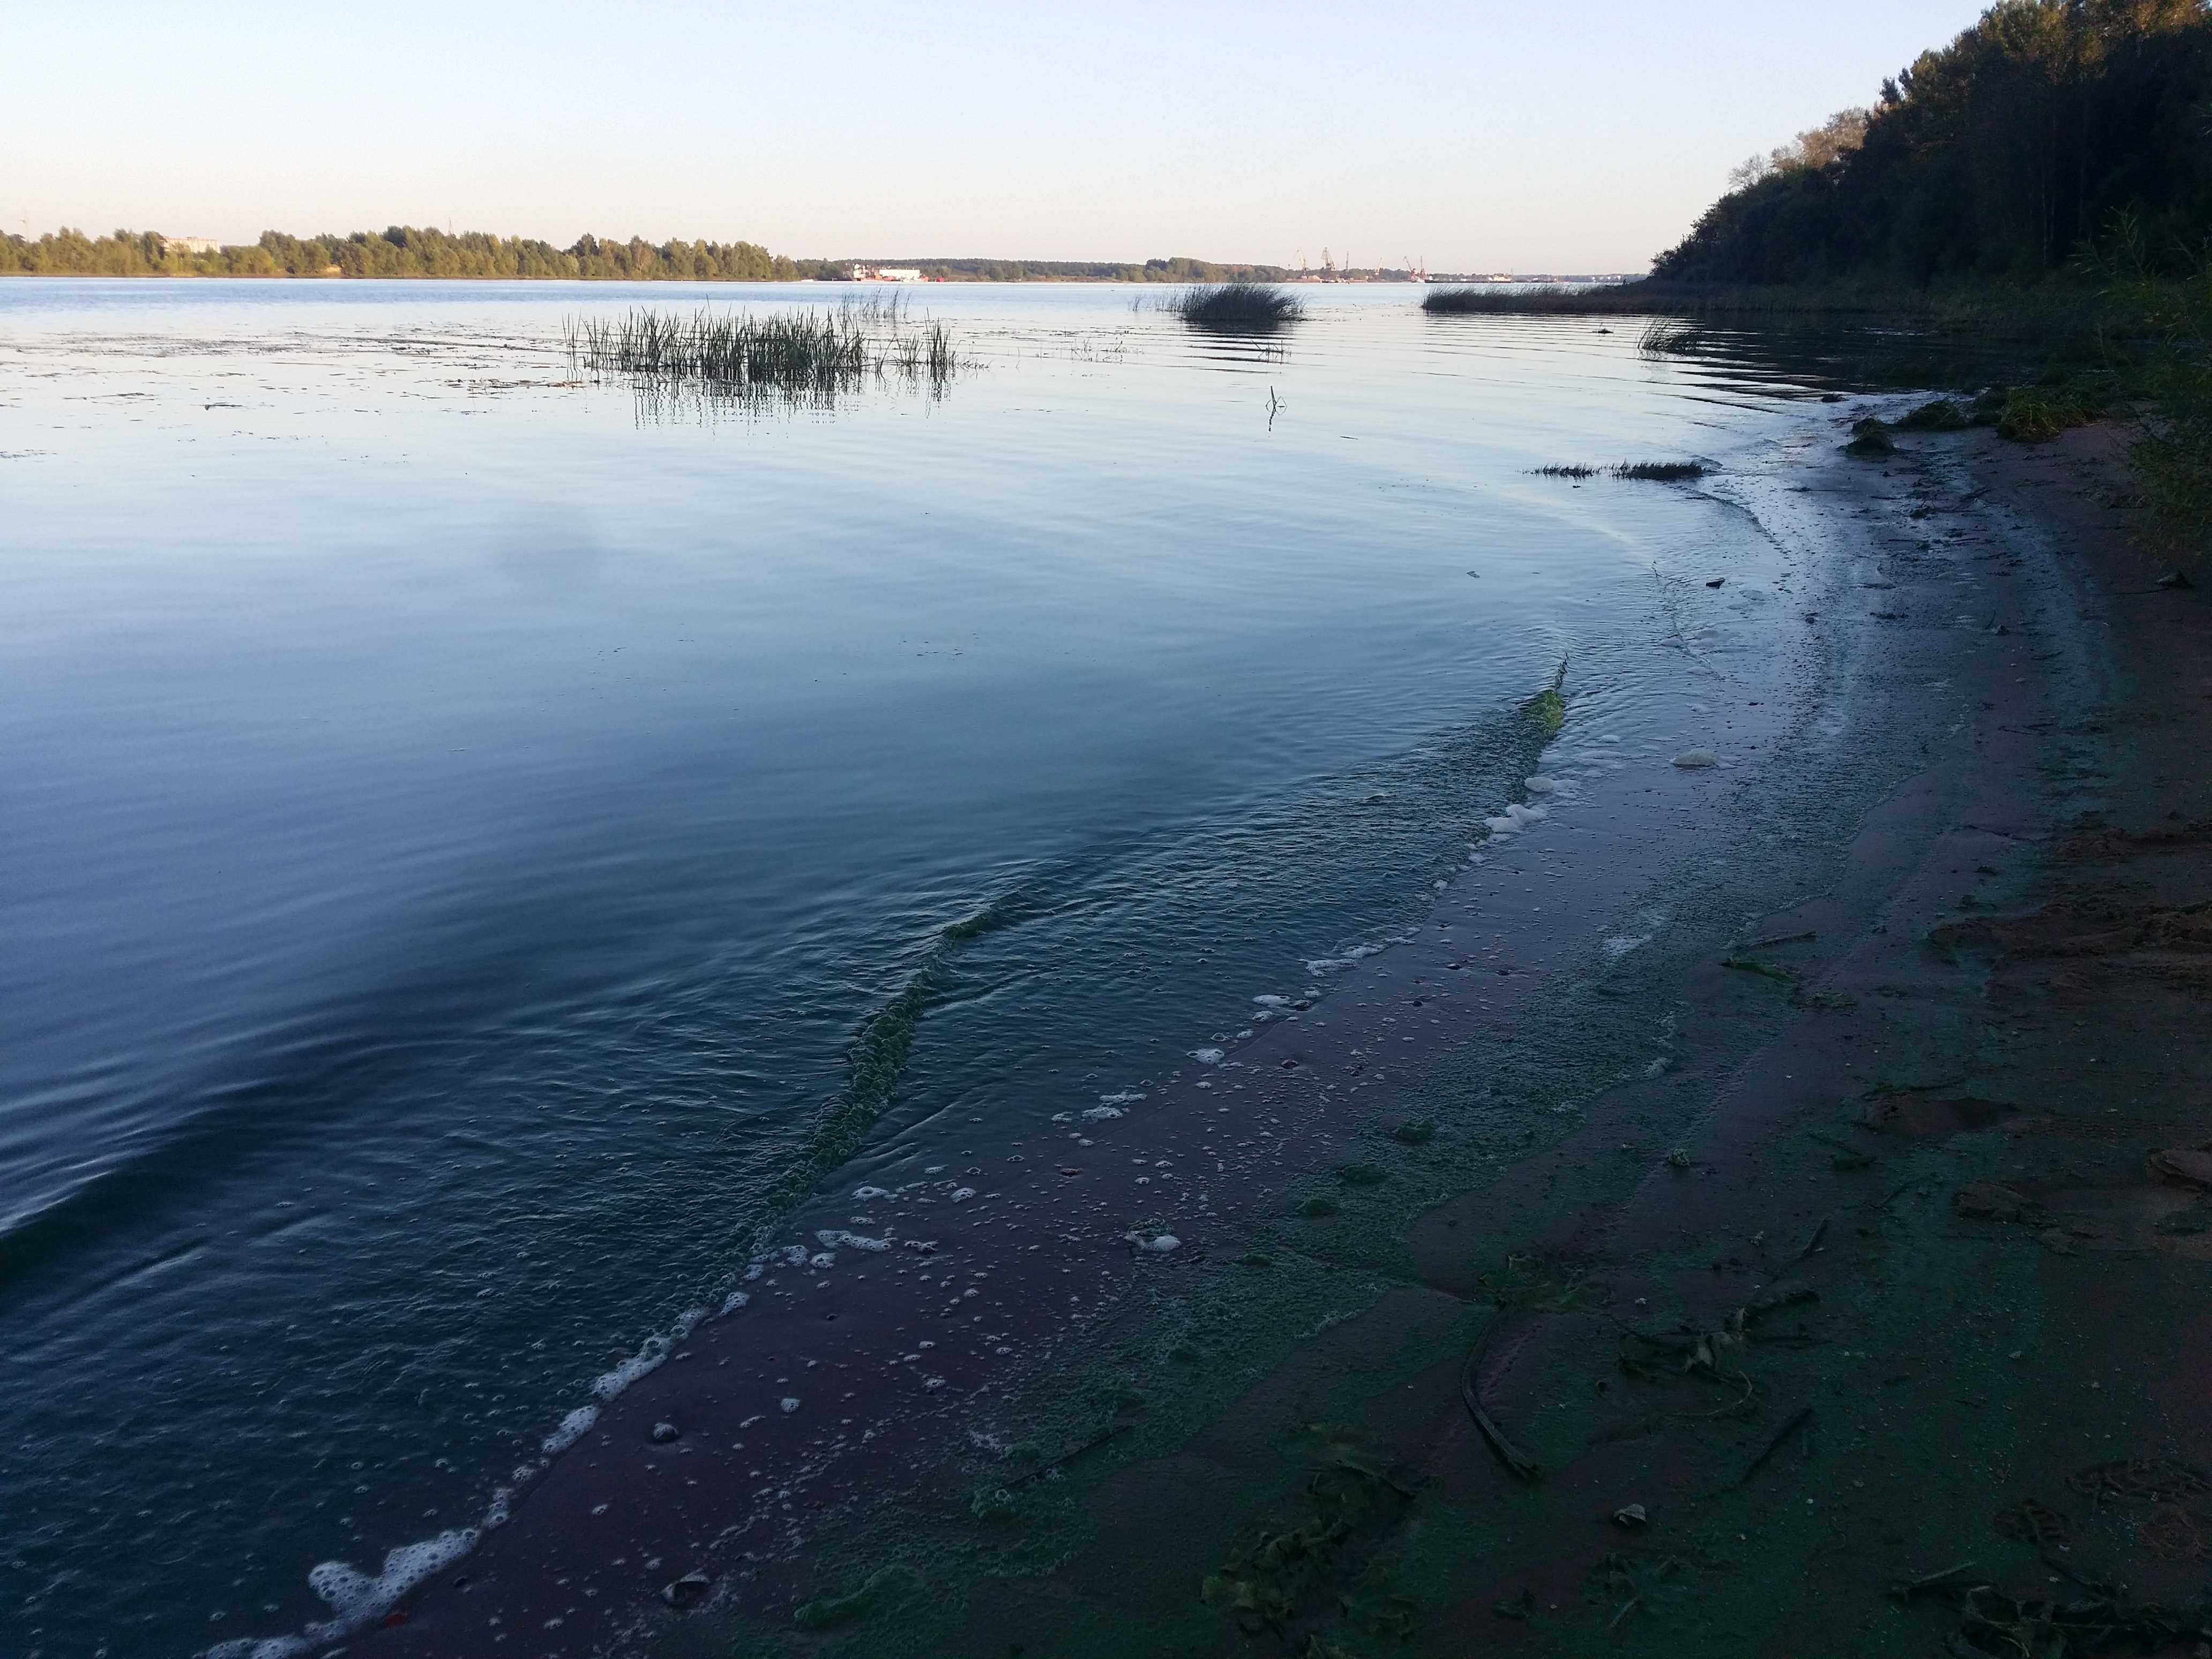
<point x="460" y="815"/>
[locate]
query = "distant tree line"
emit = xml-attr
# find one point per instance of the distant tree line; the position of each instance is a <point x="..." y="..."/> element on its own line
<point x="2004" y="156"/>
<point x="402" y="250"/>
<point x="407" y="252"/>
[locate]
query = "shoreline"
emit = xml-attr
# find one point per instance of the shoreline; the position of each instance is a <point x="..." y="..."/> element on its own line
<point x="1294" y="1084"/>
<point x="623" y="1544"/>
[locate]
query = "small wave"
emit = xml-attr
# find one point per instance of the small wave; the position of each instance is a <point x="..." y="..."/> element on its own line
<point x="573" y="1428"/>
<point x="1357" y="954"/>
<point x="356" y="1600"/>
<point x="648" y="1359"/>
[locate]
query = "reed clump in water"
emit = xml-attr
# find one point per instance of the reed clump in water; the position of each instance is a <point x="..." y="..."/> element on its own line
<point x="1646" y="471"/>
<point x="804" y="357"/>
<point x="1242" y="308"/>
<point x="1500" y="301"/>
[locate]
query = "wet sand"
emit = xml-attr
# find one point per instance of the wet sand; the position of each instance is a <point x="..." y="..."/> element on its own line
<point x="1687" y="1202"/>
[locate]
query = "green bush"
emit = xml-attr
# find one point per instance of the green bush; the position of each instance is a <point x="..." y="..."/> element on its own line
<point x="1940" y="416"/>
<point x="2034" y="414"/>
<point x="1870" y="441"/>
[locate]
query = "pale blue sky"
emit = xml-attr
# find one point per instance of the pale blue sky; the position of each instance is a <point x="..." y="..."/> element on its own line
<point x="1581" y="133"/>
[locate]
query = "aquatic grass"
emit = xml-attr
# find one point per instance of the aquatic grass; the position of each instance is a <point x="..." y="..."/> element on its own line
<point x="1660" y="471"/>
<point x="792" y="357"/>
<point x="1669" y="336"/>
<point x="1501" y="300"/>
<point x="1249" y="308"/>
<point x="1643" y="472"/>
<point x="1871" y="439"/>
<point x="1940" y="415"/>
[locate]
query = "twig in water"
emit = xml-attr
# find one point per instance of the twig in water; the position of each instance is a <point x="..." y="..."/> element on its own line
<point x="1525" y="1466"/>
<point x="1812" y="1247"/>
<point x="1112" y="1430"/>
<point x="1796" y="1420"/>
<point x="1905" y="1588"/>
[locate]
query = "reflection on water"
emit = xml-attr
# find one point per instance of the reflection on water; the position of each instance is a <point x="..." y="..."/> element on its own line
<point x="1839" y="357"/>
<point x="460" y="816"/>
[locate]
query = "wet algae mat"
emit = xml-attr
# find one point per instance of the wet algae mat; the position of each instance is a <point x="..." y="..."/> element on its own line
<point x="1827" y="1277"/>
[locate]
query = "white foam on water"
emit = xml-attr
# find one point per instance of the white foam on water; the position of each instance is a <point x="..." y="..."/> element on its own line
<point x="1337" y="964"/>
<point x="357" y="1600"/>
<point x="1122" y="1099"/>
<point x="1207" y="1056"/>
<point x="271" y="1647"/>
<point x="1502" y="826"/>
<point x="962" y="1194"/>
<point x="1541" y="786"/>
<point x="1272" y="1001"/>
<point x="870" y="1192"/>
<point x="789" y="1403"/>
<point x="573" y="1428"/>
<point x="1100" y="1113"/>
<point x="794" y="1255"/>
<point x="822" y="1261"/>
<point x="1621" y="945"/>
<point x="834" y="1240"/>
<point x="650" y="1357"/>
<point x="735" y="1300"/>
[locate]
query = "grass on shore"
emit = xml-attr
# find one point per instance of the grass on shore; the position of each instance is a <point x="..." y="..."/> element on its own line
<point x="1240" y="307"/>
<point x="1502" y="301"/>
<point x="2047" y="311"/>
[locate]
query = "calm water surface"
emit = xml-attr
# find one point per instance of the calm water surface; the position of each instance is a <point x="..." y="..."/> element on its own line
<point x="456" y="821"/>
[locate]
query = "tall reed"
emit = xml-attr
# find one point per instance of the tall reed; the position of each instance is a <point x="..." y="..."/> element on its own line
<point x="1240" y="307"/>
<point x="794" y="357"/>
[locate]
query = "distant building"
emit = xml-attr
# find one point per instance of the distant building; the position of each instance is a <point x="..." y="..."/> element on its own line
<point x="882" y="274"/>
<point x="191" y="245"/>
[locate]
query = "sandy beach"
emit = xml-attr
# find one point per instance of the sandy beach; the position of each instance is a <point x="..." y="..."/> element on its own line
<point x="1756" y="1187"/>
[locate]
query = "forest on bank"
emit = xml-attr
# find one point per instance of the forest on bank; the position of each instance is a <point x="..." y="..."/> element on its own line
<point x="410" y="251"/>
<point x="2042" y="184"/>
<point x="2049" y="127"/>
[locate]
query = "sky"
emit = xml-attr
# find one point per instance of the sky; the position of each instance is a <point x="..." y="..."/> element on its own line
<point x="1577" y="135"/>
